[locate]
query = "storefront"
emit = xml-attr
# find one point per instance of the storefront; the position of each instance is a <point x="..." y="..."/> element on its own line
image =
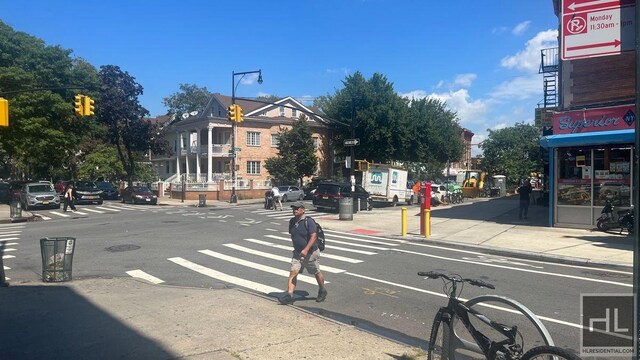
<point x="590" y="162"/>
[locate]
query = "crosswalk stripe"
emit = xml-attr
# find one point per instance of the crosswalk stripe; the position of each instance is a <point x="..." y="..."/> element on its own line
<point x="94" y="211"/>
<point x="278" y="257"/>
<point x="80" y="212"/>
<point x="366" y="238"/>
<point x="10" y="238"/>
<point x="44" y="217"/>
<point x="6" y="267"/>
<point x="10" y="233"/>
<point x="334" y="241"/>
<point x="8" y="256"/>
<point x="8" y="250"/>
<point x="119" y="207"/>
<point x="331" y="246"/>
<point x="11" y="226"/>
<point x="9" y="244"/>
<point x="379" y="238"/>
<point x="143" y="275"/>
<point x="224" y="277"/>
<point x="268" y="269"/>
<point x="324" y="255"/>
<point x="106" y="208"/>
<point x="59" y="214"/>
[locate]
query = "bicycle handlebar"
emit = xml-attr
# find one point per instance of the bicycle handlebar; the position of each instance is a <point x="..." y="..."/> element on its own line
<point x="474" y="282"/>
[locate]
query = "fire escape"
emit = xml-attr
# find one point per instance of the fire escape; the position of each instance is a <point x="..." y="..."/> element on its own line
<point x="549" y="69"/>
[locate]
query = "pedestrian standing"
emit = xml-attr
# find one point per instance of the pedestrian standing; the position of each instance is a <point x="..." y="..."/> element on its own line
<point x="277" y="197"/>
<point x="525" y="198"/>
<point x="306" y="254"/>
<point x="69" y="196"/>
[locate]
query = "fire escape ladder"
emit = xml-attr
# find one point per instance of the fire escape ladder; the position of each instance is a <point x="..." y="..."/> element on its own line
<point x="549" y="65"/>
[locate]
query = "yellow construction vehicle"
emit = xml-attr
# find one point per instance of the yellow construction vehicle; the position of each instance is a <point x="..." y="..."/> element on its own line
<point x="473" y="183"/>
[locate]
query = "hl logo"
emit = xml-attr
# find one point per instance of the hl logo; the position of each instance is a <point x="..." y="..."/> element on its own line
<point x="607" y="323"/>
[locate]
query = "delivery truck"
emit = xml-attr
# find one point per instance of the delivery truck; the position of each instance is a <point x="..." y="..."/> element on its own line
<point x="385" y="184"/>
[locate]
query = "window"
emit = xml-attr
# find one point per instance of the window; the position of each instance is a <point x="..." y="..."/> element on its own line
<point x="274" y="140"/>
<point x="281" y="110"/>
<point x="253" y="167"/>
<point x="253" y="138"/>
<point x="294" y="112"/>
<point x="264" y="113"/>
<point x="574" y="176"/>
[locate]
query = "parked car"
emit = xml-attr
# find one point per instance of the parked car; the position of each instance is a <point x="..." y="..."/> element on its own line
<point x="311" y="187"/>
<point x="109" y="192"/>
<point x="291" y="193"/>
<point x="87" y="193"/>
<point x="328" y="195"/>
<point x="14" y="189"/>
<point x="139" y="195"/>
<point x="39" y="195"/>
<point x="60" y="185"/>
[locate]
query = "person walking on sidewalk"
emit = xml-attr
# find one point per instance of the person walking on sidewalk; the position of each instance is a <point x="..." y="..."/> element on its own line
<point x="306" y="254"/>
<point x="277" y="197"/>
<point x="525" y="198"/>
<point x="69" y="196"/>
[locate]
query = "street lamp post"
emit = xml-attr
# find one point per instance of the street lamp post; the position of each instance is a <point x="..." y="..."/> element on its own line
<point x="234" y="85"/>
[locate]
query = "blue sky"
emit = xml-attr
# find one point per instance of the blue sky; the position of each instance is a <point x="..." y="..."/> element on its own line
<point x="481" y="57"/>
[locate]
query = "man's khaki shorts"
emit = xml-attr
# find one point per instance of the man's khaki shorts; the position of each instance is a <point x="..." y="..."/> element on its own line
<point x="311" y="262"/>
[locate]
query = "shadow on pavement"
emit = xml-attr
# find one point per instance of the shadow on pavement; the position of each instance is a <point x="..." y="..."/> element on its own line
<point x="54" y="322"/>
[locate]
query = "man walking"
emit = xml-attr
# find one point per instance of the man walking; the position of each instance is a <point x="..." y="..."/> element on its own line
<point x="69" y="196"/>
<point x="525" y="198"/>
<point x="306" y="254"/>
<point x="277" y="197"/>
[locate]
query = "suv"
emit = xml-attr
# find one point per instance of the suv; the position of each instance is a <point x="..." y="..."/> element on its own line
<point x="87" y="192"/>
<point x="39" y="194"/>
<point x="328" y="195"/>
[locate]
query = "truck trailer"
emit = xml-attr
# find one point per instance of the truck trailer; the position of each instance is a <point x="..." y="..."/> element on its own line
<point x="385" y="184"/>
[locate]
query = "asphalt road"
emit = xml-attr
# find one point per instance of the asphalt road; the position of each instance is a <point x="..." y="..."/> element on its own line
<point x="372" y="280"/>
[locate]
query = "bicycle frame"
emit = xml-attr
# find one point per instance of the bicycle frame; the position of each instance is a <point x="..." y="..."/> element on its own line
<point x="483" y="344"/>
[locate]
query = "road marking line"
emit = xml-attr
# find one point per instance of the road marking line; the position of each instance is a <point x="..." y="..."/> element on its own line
<point x="8" y="256"/>
<point x="463" y="299"/>
<point x="8" y="250"/>
<point x="267" y="269"/>
<point x="143" y="275"/>
<point x="11" y="226"/>
<point x="360" y="236"/>
<point x="80" y="212"/>
<point x="9" y="244"/>
<point x="59" y="213"/>
<point x="278" y="257"/>
<point x="106" y="208"/>
<point x="44" y="217"/>
<point x="515" y="268"/>
<point x="224" y="277"/>
<point x="272" y="230"/>
<point x="94" y="211"/>
<point x="6" y="267"/>
<point x="10" y="233"/>
<point x="324" y="255"/>
<point x="332" y="247"/>
<point x="275" y="223"/>
<point x="332" y="238"/>
<point x="11" y="238"/>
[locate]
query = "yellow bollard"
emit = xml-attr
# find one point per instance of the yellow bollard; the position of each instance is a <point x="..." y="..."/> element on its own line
<point x="404" y="221"/>
<point x="427" y="222"/>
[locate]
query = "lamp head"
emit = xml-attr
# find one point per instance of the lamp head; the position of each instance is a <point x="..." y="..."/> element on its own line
<point x="259" y="76"/>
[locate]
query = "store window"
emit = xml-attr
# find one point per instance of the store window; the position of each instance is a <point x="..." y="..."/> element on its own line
<point x="574" y="176"/>
<point x="612" y="176"/>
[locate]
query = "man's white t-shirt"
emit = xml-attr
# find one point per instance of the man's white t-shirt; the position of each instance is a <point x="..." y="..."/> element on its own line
<point x="275" y="191"/>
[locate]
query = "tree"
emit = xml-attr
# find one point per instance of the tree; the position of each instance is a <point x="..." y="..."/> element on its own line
<point x="103" y="162"/>
<point x="189" y="98"/>
<point x="513" y="152"/>
<point x="296" y="155"/>
<point x="122" y="114"/>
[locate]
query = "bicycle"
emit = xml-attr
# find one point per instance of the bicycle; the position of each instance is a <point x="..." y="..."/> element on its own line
<point x="444" y="342"/>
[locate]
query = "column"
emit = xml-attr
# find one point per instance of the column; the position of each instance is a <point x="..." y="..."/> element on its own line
<point x="186" y="157"/>
<point x="179" y="152"/>
<point x="198" y="156"/>
<point x="209" y="154"/>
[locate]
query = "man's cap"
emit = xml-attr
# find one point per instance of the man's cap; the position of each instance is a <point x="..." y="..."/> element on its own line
<point x="297" y="204"/>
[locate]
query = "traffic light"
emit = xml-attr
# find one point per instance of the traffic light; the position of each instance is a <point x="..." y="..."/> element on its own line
<point x="4" y="112"/>
<point x="88" y="106"/>
<point x="78" y="105"/>
<point x="231" y="112"/>
<point x="239" y="114"/>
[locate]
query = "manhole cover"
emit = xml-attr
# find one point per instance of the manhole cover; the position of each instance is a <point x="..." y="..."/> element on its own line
<point x="169" y="222"/>
<point x="607" y="274"/>
<point x="120" y="248"/>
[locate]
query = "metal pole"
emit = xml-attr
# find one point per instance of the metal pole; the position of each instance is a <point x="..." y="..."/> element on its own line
<point x="353" y="136"/>
<point x="234" y="197"/>
<point x="636" y="200"/>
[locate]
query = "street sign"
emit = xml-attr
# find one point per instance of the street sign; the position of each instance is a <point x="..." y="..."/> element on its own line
<point x="351" y="142"/>
<point x="237" y="149"/>
<point x="593" y="28"/>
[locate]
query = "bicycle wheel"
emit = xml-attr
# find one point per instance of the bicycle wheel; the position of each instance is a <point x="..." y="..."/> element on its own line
<point x="439" y="340"/>
<point x="548" y="353"/>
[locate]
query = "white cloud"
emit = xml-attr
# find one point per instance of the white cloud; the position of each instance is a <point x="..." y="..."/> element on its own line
<point x="469" y="111"/>
<point x="465" y="80"/>
<point x="260" y="93"/>
<point x="344" y="71"/>
<point x="499" y="30"/>
<point x="519" y="88"/>
<point x="521" y="28"/>
<point x="529" y="58"/>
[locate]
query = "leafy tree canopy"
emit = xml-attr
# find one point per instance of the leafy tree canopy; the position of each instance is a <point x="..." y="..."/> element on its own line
<point x="513" y="151"/>
<point x="189" y="98"/>
<point x="296" y="154"/>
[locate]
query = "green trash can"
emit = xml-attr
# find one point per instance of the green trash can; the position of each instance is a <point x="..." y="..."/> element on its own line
<point x="57" y="258"/>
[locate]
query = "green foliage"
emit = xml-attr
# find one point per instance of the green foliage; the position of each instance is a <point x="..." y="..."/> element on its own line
<point x="435" y="135"/>
<point x="123" y="116"/>
<point x="268" y="98"/>
<point x="102" y="162"/>
<point x="513" y="152"/>
<point x="296" y="155"/>
<point x="189" y="98"/>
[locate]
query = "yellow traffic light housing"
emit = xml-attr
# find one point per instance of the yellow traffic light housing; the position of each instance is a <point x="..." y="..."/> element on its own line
<point x="239" y="114"/>
<point x="78" y="105"/>
<point x="88" y="107"/>
<point x="4" y="112"/>
<point x="231" y="112"/>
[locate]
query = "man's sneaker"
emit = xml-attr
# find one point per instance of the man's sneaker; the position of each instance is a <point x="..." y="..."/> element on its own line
<point x="286" y="300"/>
<point x="322" y="295"/>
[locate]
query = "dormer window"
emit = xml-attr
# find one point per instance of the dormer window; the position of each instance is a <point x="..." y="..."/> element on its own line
<point x="282" y="111"/>
<point x="294" y="113"/>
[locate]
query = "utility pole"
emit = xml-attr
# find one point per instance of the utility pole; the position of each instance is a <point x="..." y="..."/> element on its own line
<point x="353" y="136"/>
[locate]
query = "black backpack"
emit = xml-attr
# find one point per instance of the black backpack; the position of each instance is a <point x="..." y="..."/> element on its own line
<point x="320" y="239"/>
